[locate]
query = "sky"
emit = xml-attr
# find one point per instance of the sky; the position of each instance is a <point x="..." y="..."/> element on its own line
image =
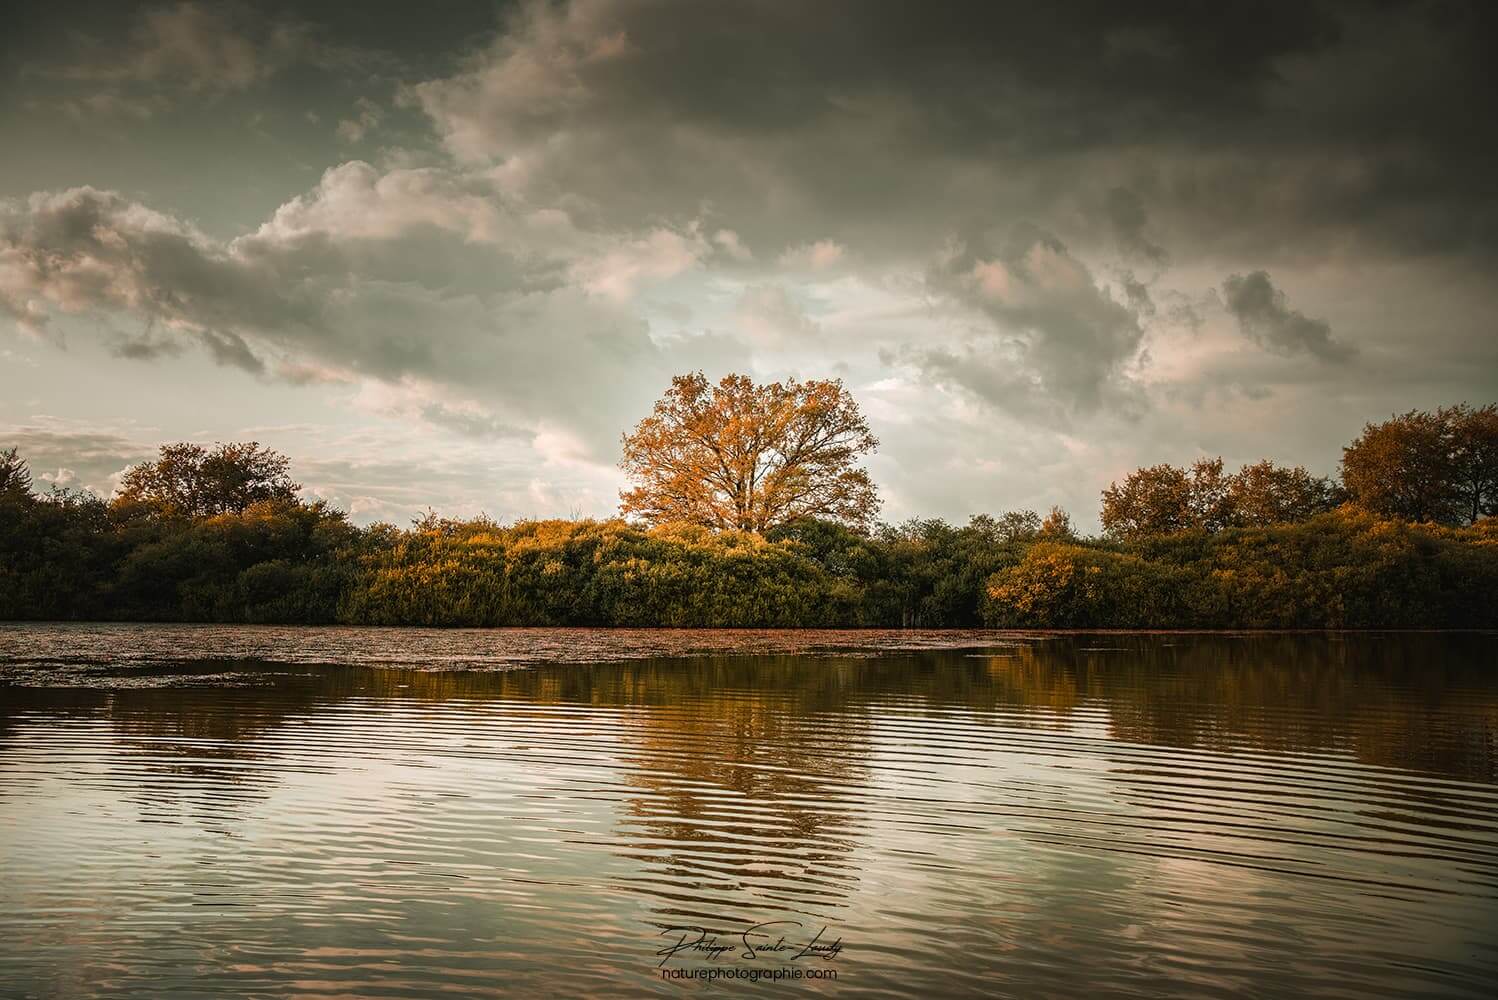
<point x="443" y="254"/>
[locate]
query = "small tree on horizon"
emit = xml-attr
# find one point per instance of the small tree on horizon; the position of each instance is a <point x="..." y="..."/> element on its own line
<point x="1151" y="501"/>
<point x="1427" y="466"/>
<point x="747" y="457"/>
<point x="15" y="475"/>
<point x="188" y="480"/>
<point x="1057" y="526"/>
<point x="1474" y="458"/>
<point x="1164" y="499"/>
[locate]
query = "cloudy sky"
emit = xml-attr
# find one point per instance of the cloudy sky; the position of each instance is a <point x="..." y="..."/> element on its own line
<point x="444" y="253"/>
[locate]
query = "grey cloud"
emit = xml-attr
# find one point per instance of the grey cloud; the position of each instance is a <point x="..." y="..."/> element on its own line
<point x="1126" y="212"/>
<point x="1138" y="294"/>
<point x="1056" y="337"/>
<point x="1265" y="318"/>
<point x="147" y="346"/>
<point x="988" y="372"/>
<point x="769" y="314"/>
<point x="472" y="424"/>
<point x="231" y="350"/>
<point x="589" y="188"/>
<point x="195" y="44"/>
<point x="368" y="117"/>
<point x="885" y="127"/>
<point x="1183" y="312"/>
<point x="95" y="455"/>
<point x="84" y="248"/>
<point x="396" y="277"/>
<point x="209" y="48"/>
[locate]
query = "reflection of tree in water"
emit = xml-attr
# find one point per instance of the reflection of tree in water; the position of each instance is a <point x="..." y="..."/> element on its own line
<point x="1421" y="702"/>
<point x="187" y="752"/>
<point x="744" y="767"/>
<point x="744" y="764"/>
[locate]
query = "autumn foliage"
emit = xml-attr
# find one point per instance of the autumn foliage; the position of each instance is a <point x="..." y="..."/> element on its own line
<point x="1343" y="569"/>
<point x="1164" y="499"/>
<point x="1427" y="466"/>
<point x="779" y="534"/>
<point x="188" y="480"/>
<point x="745" y="457"/>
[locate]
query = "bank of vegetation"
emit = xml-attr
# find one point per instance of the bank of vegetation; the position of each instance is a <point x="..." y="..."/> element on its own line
<point x="221" y="535"/>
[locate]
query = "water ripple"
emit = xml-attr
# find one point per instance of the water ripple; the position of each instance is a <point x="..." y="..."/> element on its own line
<point x="214" y="811"/>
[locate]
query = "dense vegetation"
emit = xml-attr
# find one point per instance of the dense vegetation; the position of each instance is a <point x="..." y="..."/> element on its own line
<point x="220" y="535"/>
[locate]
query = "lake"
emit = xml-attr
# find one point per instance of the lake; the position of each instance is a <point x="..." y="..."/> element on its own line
<point x="319" y="812"/>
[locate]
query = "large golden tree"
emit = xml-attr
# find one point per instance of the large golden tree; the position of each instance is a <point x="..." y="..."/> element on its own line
<point x="749" y="457"/>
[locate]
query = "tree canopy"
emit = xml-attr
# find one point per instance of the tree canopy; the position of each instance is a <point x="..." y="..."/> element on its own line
<point x="1164" y="499"/>
<point x="218" y="535"/>
<point x="188" y="480"/>
<point x="749" y="457"/>
<point x="1427" y="466"/>
<point x="15" y="475"/>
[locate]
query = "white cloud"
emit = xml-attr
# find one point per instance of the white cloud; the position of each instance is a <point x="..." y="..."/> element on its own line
<point x="618" y="272"/>
<point x="770" y="316"/>
<point x="354" y="200"/>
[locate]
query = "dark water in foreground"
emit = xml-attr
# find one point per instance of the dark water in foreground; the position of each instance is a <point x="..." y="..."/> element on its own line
<point x="281" y="812"/>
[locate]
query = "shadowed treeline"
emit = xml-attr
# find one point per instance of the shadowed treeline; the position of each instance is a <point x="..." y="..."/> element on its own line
<point x="219" y="535"/>
<point x="278" y="561"/>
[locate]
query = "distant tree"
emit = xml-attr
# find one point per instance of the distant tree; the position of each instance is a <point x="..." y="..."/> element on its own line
<point x="1474" y="458"/>
<point x="15" y="476"/>
<point x="1057" y="527"/>
<point x="748" y="457"/>
<point x="1152" y="501"/>
<point x="1164" y="499"/>
<point x="1263" y="493"/>
<point x="1405" y="468"/>
<point x="1014" y="526"/>
<point x="188" y="480"/>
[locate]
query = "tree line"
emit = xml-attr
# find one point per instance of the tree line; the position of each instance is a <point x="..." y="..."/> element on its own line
<point x="219" y="534"/>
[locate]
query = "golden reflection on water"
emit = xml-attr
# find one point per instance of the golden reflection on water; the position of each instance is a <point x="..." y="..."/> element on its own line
<point x="1141" y="814"/>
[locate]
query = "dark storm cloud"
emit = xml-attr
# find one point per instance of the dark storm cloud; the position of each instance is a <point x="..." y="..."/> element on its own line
<point x="1137" y="295"/>
<point x="86" y="249"/>
<point x="1127" y="214"/>
<point x="147" y="346"/>
<point x="230" y="349"/>
<point x="1237" y="122"/>
<point x="196" y="46"/>
<point x="1265" y="318"/>
<point x="129" y="52"/>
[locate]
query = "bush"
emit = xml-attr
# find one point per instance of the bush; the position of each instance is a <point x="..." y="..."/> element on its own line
<point x="1343" y="569"/>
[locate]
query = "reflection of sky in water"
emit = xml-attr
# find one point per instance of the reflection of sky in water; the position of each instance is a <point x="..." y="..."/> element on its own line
<point x="1204" y="823"/>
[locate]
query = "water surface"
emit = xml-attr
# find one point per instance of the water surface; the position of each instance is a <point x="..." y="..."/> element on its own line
<point x="240" y="812"/>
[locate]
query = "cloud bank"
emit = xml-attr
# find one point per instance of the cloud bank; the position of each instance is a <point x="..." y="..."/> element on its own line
<point x="1038" y="243"/>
